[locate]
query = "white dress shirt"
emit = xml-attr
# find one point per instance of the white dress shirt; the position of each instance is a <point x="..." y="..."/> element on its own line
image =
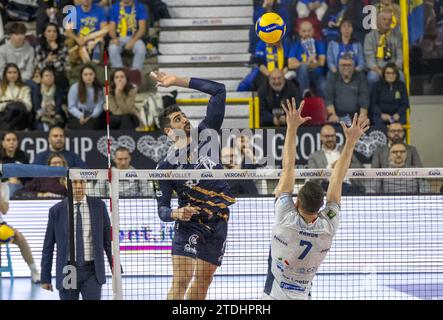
<point x="331" y="156"/>
<point x="87" y="232"/>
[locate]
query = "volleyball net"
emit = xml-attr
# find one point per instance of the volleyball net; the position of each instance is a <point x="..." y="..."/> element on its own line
<point x="389" y="244"/>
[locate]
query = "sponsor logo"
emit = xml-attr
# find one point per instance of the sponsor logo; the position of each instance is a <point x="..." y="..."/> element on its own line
<point x="236" y="175"/>
<point x="434" y="173"/>
<point x="396" y="173"/>
<point x="331" y="214"/>
<point x="281" y="241"/>
<point x="307" y="270"/>
<point x="131" y="174"/>
<point x="89" y="174"/>
<point x="291" y="287"/>
<point x="192" y="242"/>
<point x="320" y="173"/>
<point x="312" y="235"/>
<point x="170" y="174"/>
<point x="207" y="175"/>
<point x="358" y="173"/>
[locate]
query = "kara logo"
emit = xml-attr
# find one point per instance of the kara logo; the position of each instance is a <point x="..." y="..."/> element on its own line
<point x="131" y="174"/>
<point x="358" y="173"/>
<point x="192" y="242"/>
<point x="207" y="174"/>
<point x="88" y="174"/>
<point x="434" y="173"/>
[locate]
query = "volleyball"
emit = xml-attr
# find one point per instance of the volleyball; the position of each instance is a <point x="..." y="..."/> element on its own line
<point x="6" y="233"/>
<point x="270" y="28"/>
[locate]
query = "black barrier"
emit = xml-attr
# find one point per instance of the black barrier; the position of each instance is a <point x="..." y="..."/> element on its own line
<point x="147" y="148"/>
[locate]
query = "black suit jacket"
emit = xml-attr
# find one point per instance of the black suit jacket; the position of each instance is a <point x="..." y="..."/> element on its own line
<point x="57" y="233"/>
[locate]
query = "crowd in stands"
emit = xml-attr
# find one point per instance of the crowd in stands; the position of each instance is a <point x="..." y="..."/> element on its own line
<point x="51" y="82"/>
<point x="328" y="53"/>
<point x="54" y="76"/>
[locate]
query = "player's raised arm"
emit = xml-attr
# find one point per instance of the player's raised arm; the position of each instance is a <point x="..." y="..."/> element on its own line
<point x="293" y="120"/>
<point x="217" y="103"/>
<point x="352" y="135"/>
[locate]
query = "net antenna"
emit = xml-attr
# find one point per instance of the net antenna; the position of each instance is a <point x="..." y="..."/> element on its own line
<point x="113" y="192"/>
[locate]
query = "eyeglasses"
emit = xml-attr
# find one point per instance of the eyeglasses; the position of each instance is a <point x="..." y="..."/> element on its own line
<point x="396" y="130"/>
<point x="398" y="151"/>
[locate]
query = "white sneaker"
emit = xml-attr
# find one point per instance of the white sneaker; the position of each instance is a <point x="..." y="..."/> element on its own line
<point x="35" y="277"/>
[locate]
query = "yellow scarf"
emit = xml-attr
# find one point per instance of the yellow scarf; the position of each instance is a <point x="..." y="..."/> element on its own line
<point x="382" y="43"/>
<point x="126" y="21"/>
<point x="271" y="58"/>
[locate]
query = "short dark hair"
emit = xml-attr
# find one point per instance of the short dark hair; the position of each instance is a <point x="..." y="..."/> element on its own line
<point x="393" y="66"/>
<point x="396" y="143"/>
<point x="121" y="149"/>
<point x="16" y="28"/>
<point x="165" y="122"/>
<point x="311" y="197"/>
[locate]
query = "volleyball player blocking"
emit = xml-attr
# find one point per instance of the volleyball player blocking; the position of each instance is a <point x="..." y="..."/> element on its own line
<point x="302" y="234"/>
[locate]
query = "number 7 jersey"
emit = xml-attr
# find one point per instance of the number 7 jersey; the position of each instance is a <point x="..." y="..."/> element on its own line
<point x="298" y="249"/>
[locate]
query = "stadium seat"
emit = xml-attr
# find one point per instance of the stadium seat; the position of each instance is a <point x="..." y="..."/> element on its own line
<point x="315" y="108"/>
<point x="8" y="267"/>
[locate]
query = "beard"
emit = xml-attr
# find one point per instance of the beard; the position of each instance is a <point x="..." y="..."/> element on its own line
<point x="331" y="145"/>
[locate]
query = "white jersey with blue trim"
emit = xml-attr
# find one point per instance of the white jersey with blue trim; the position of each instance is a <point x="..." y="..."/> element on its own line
<point x="298" y="248"/>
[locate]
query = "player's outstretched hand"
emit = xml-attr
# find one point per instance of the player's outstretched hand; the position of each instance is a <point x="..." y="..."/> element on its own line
<point x="293" y="116"/>
<point x="163" y="79"/>
<point x="358" y="128"/>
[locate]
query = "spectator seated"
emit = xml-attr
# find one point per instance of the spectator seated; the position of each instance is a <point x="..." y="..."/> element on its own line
<point x="15" y="100"/>
<point x="85" y="102"/>
<point x="308" y="57"/>
<point x="345" y="44"/>
<point x="272" y="95"/>
<point x="382" y="46"/>
<point x="346" y="92"/>
<point x="389" y="99"/>
<point x="126" y="35"/>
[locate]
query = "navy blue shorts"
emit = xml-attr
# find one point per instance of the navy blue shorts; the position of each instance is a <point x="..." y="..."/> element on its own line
<point x="201" y="241"/>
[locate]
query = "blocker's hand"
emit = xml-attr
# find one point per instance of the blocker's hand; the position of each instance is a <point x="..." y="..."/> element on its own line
<point x="293" y="116"/>
<point x="358" y="128"/>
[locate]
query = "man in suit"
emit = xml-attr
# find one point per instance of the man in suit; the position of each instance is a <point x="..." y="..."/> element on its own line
<point x="327" y="157"/>
<point x="92" y="234"/>
<point x="396" y="134"/>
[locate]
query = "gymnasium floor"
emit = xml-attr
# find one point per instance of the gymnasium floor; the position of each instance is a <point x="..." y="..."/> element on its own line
<point x="415" y="286"/>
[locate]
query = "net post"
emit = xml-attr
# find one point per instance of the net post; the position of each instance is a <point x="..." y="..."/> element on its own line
<point x="71" y="226"/>
<point x="115" y="217"/>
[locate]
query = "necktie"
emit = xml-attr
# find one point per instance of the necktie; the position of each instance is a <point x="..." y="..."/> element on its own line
<point x="79" y="244"/>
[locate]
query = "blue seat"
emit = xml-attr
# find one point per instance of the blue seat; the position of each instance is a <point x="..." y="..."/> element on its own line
<point x="8" y="267"/>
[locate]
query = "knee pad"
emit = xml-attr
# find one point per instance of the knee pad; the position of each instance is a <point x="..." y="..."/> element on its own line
<point x="6" y="233"/>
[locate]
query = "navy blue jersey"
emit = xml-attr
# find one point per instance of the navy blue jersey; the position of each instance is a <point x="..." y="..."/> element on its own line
<point x="211" y="196"/>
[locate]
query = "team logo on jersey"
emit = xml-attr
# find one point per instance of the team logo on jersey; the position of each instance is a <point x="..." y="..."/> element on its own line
<point x="331" y="214"/>
<point x="192" y="242"/>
